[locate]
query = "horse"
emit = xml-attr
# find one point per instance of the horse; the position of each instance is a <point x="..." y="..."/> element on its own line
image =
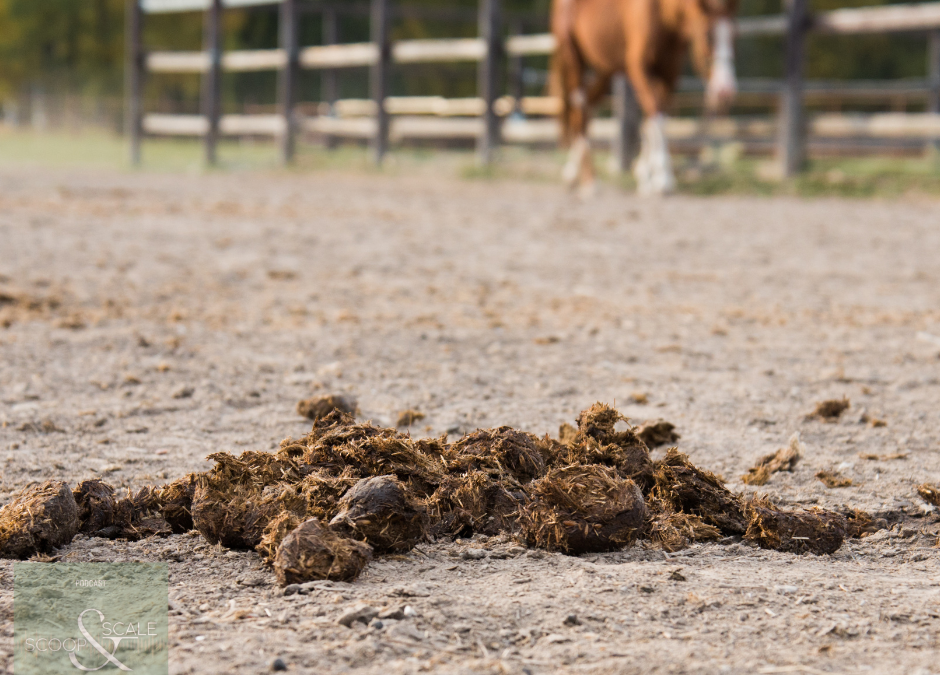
<point x="648" y="40"/>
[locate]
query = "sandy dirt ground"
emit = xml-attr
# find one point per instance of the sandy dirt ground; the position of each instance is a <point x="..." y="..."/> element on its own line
<point x="174" y="316"/>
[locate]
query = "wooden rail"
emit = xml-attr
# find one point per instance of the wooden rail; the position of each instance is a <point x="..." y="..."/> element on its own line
<point x="479" y="117"/>
<point x="913" y="126"/>
<point x="173" y="6"/>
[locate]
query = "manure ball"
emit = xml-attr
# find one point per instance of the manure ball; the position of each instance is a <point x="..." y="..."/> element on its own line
<point x="379" y="511"/>
<point x="312" y="551"/>
<point x="38" y="519"/>
<point x="583" y="509"/>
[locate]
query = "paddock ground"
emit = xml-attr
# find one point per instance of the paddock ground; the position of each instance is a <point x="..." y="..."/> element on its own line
<point x="483" y="301"/>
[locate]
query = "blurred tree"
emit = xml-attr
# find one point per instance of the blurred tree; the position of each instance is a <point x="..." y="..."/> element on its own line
<point x="61" y="43"/>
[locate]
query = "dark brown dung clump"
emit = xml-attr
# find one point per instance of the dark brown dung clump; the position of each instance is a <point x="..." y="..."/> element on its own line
<point x="499" y="452"/>
<point x="378" y="511"/>
<point x="582" y="509"/>
<point x="233" y="502"/>
<point x="860" y="523"/>
<point x="38" y="519"/>
<point x="95" y="501"/>
<point x="685" y="488"/>
<point x="318" y="494"/>
<point x="474" y="503"/>
<point x="176" y="503"/>
<point x="321" y="406"/>
<point x="235" y="517"/>
<point x="656" y="433"/>
<point x="833" y="479"/>
<point x="312" y="551"/>
<point x="408" y="417"/>
<point x="674" y="531"/>
<point x="597" y="442"/>
<point x="807" y="531"/>
<point x="257" y="468"/>
<point x="929" y="493"/>
<point x="784" y="459"/>
<point x="830" y="410"/>
<point x="337" y="442"/>
<point x="279" y="527"/>
<point x="137" y="516"/>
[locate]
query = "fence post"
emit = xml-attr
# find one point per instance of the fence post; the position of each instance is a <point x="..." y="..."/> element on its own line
<point x="212" y="84"/>
<point x="933" y="71"/>
<point x="628" y="116"/>
<point x="517" y="72"/>
<point x="328" y="81"/>
<point x="133" y="77"/>
<point x="288" y="77"/>
<point x="792" y="142"/>
<point x="488" y="78"/>
<point x="379" y="80"/>
<point x="329" y="78"/>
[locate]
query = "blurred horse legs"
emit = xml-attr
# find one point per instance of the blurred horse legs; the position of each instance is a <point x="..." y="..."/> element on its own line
<point x="650" y="39"/>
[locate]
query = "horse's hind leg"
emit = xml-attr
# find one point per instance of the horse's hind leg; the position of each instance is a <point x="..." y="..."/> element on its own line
<point x="578" y="171"/>
<point x="653" y="168"/>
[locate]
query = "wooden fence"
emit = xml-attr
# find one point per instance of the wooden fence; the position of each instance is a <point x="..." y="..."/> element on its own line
<point x="486" y="118"/>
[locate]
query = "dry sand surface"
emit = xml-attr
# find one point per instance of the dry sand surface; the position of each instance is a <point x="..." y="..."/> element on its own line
<point x="174" y="316"/>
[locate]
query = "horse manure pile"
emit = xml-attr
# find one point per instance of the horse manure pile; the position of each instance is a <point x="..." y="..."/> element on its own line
<point x="322" y="506"/>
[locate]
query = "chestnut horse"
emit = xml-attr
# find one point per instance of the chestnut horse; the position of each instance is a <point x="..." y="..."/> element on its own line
<point x="648" y="40"/>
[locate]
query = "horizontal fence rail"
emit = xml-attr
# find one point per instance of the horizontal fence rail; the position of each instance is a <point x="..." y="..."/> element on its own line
<point x="435" y="117"/>
<point x="878" y="19"/>
<point x="171" y="6"/>
<point x="524" y="131"/>
<point x="891" y="18"/>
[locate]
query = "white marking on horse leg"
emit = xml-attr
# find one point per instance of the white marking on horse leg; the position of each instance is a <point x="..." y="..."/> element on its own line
<point x="642" y="167"/>
<point x="722" y="83"/>
<point x="654" y="167"/>
<point x="572" y="169"/>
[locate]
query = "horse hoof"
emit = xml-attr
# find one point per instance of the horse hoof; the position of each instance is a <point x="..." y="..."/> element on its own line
<point x="655" y="187"/>
<point x="587" y="190"/>
<point x="665" y="184"/>
<point x="569" y="174"/>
